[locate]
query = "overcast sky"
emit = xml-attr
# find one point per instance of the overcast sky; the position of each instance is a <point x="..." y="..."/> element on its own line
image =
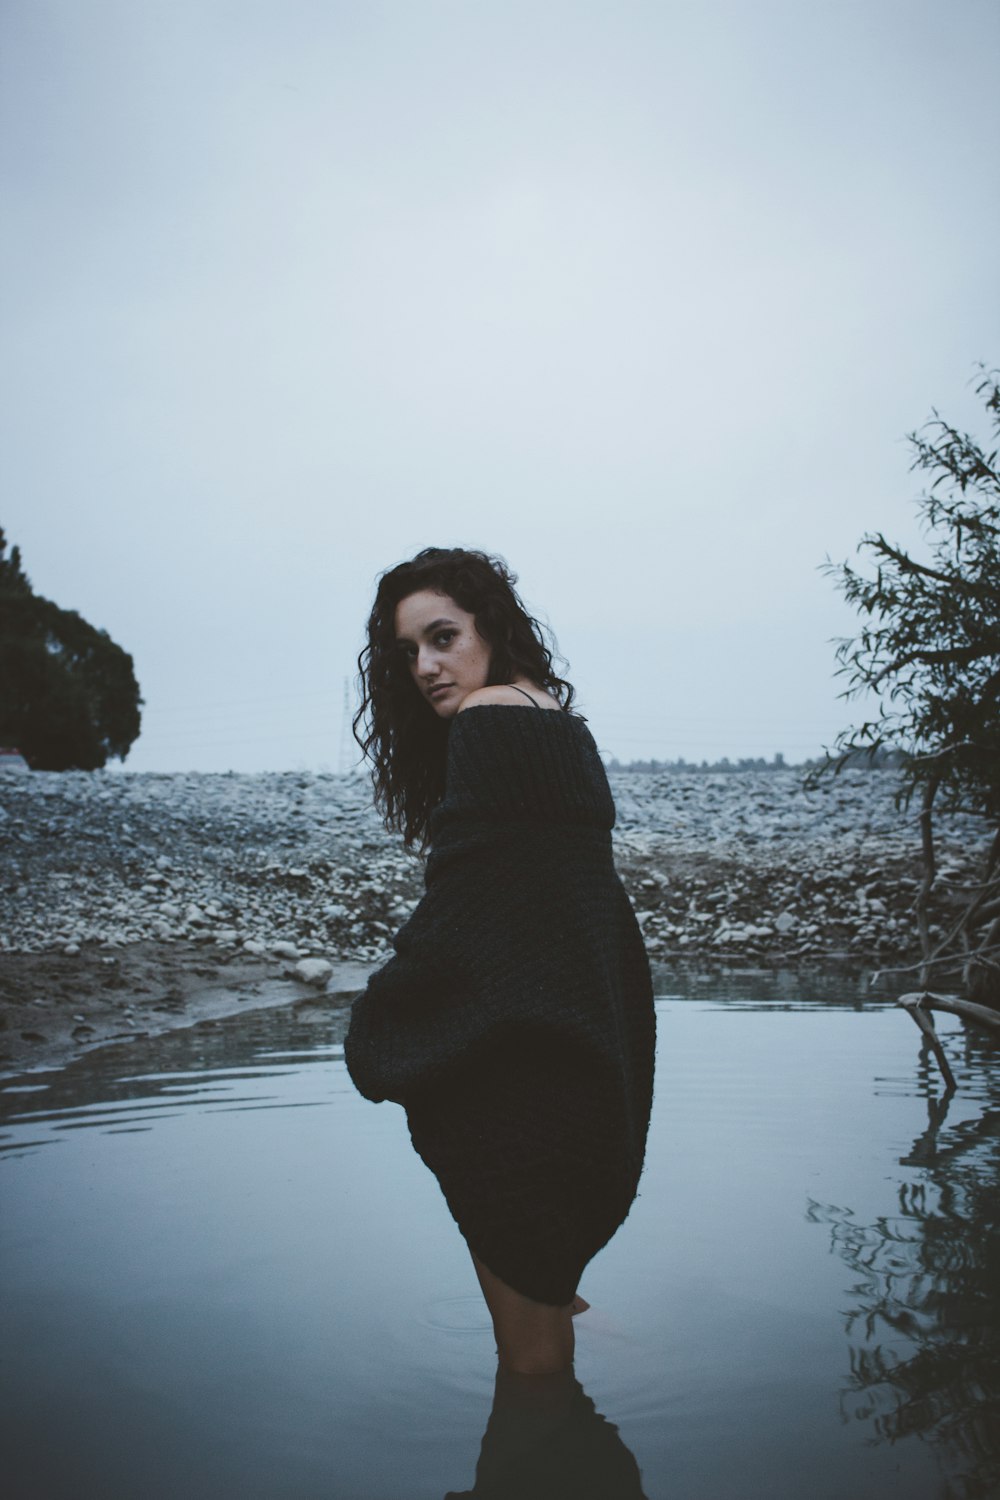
<point x="642" y="296"/>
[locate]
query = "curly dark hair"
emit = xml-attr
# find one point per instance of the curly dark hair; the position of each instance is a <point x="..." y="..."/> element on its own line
<point x="397" y="730"/>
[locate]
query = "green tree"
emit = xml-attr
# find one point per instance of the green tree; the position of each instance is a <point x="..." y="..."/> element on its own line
<point x="929" y="648"/>
<point x="68" y="694"/>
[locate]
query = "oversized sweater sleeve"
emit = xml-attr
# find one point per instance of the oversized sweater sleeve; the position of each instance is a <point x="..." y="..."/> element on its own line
<point x="514" y="922"/>
<point x="414" y="1021"/>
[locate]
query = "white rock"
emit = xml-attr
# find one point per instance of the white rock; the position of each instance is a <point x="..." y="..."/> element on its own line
<point x="784" y="923"/>
<point x="285" y="950"/>
<point x="251" y="945"/>
<point x="314" y="970"/>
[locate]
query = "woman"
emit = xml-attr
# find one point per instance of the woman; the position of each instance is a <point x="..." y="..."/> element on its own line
<point x="515" y="1021"/>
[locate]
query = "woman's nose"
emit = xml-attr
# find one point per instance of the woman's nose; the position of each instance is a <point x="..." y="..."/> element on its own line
<point x="426" y="662"/>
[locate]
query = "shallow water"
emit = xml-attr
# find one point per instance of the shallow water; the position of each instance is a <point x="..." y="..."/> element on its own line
<point x="225" y="1274"/>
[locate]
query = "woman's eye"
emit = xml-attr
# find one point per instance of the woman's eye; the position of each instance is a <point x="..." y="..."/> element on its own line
<point x="443" y="637"/>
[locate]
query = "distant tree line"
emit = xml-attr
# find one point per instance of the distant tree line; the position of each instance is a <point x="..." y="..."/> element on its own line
<point x="878" y="758"/>
<point x="68" y="694"/>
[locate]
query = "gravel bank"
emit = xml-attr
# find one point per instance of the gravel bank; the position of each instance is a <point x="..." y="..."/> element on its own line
<point x="132" y="902"/>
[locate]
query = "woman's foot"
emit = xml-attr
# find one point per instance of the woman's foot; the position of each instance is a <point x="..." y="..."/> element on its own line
<point x="579" y="1305"/>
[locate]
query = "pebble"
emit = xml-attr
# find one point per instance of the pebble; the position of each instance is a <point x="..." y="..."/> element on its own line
<point x="750" y="863"/>
<point x="315" y="971"/>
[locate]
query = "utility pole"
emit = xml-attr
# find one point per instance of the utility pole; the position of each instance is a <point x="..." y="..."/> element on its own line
<point x="343" y="766"/>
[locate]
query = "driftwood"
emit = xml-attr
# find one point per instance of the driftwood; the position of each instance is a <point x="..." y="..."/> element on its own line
<point x="919" y="1004"/>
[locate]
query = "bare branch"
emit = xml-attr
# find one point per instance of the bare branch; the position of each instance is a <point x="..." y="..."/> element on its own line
<point x="914" y="1005"/>
<point x="927" y="846"/>
<point x="953" y="1005"/>
<point x="955" y="960"/>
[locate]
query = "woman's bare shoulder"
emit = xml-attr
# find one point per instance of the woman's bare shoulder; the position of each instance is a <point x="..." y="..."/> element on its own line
<point x="504" y="693"/>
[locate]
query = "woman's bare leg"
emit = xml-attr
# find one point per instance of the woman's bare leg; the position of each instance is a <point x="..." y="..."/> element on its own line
<point x="532" y="1337"/>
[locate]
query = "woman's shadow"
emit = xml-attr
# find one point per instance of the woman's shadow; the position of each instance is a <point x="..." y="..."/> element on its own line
<point x="546" y="1441"/>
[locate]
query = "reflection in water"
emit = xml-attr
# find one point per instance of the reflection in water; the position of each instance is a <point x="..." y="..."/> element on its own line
<point x="136" y="1086"/>
<point x="546" y="1441"/>
<point x="221" y="1270"/>
<point x="924" y="1333"/>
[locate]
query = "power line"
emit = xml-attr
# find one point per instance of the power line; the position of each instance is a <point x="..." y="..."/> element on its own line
<point x="213" y="703"/>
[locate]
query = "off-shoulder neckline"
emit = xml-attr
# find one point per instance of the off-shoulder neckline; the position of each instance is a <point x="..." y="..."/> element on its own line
<point x="525" y="712"/>
<point x="520" y="708"/>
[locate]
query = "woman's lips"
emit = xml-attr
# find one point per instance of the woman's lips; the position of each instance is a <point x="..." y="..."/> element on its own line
<point x="436" y="692"/>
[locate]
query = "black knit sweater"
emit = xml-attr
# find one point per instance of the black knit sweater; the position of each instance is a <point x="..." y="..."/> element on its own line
<point x="515" y="1023"/>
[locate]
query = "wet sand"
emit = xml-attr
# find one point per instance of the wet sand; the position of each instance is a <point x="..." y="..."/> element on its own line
<point x="54" y="1006"/>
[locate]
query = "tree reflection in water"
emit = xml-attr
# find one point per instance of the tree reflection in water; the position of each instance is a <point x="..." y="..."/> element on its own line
<point x="924" y="1335"/>
<point x="546" y="1441"/>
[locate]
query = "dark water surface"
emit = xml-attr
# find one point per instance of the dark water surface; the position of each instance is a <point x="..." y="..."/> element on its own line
<point x="226" y="1275"/>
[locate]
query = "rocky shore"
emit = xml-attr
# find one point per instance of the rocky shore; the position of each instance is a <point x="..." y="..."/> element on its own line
<point x="129" y="903"/>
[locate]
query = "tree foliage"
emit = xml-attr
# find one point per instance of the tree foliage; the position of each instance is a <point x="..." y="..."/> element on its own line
<point x="929" y="648"/>
<point x="930" y="644"/>
<point x="68" y="694"/>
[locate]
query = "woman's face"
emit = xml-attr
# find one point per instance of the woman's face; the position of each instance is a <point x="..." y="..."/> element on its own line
<point x="446" y="655"/>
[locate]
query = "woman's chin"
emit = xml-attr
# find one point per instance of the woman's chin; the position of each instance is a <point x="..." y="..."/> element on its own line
<point x="447" y="706"/>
